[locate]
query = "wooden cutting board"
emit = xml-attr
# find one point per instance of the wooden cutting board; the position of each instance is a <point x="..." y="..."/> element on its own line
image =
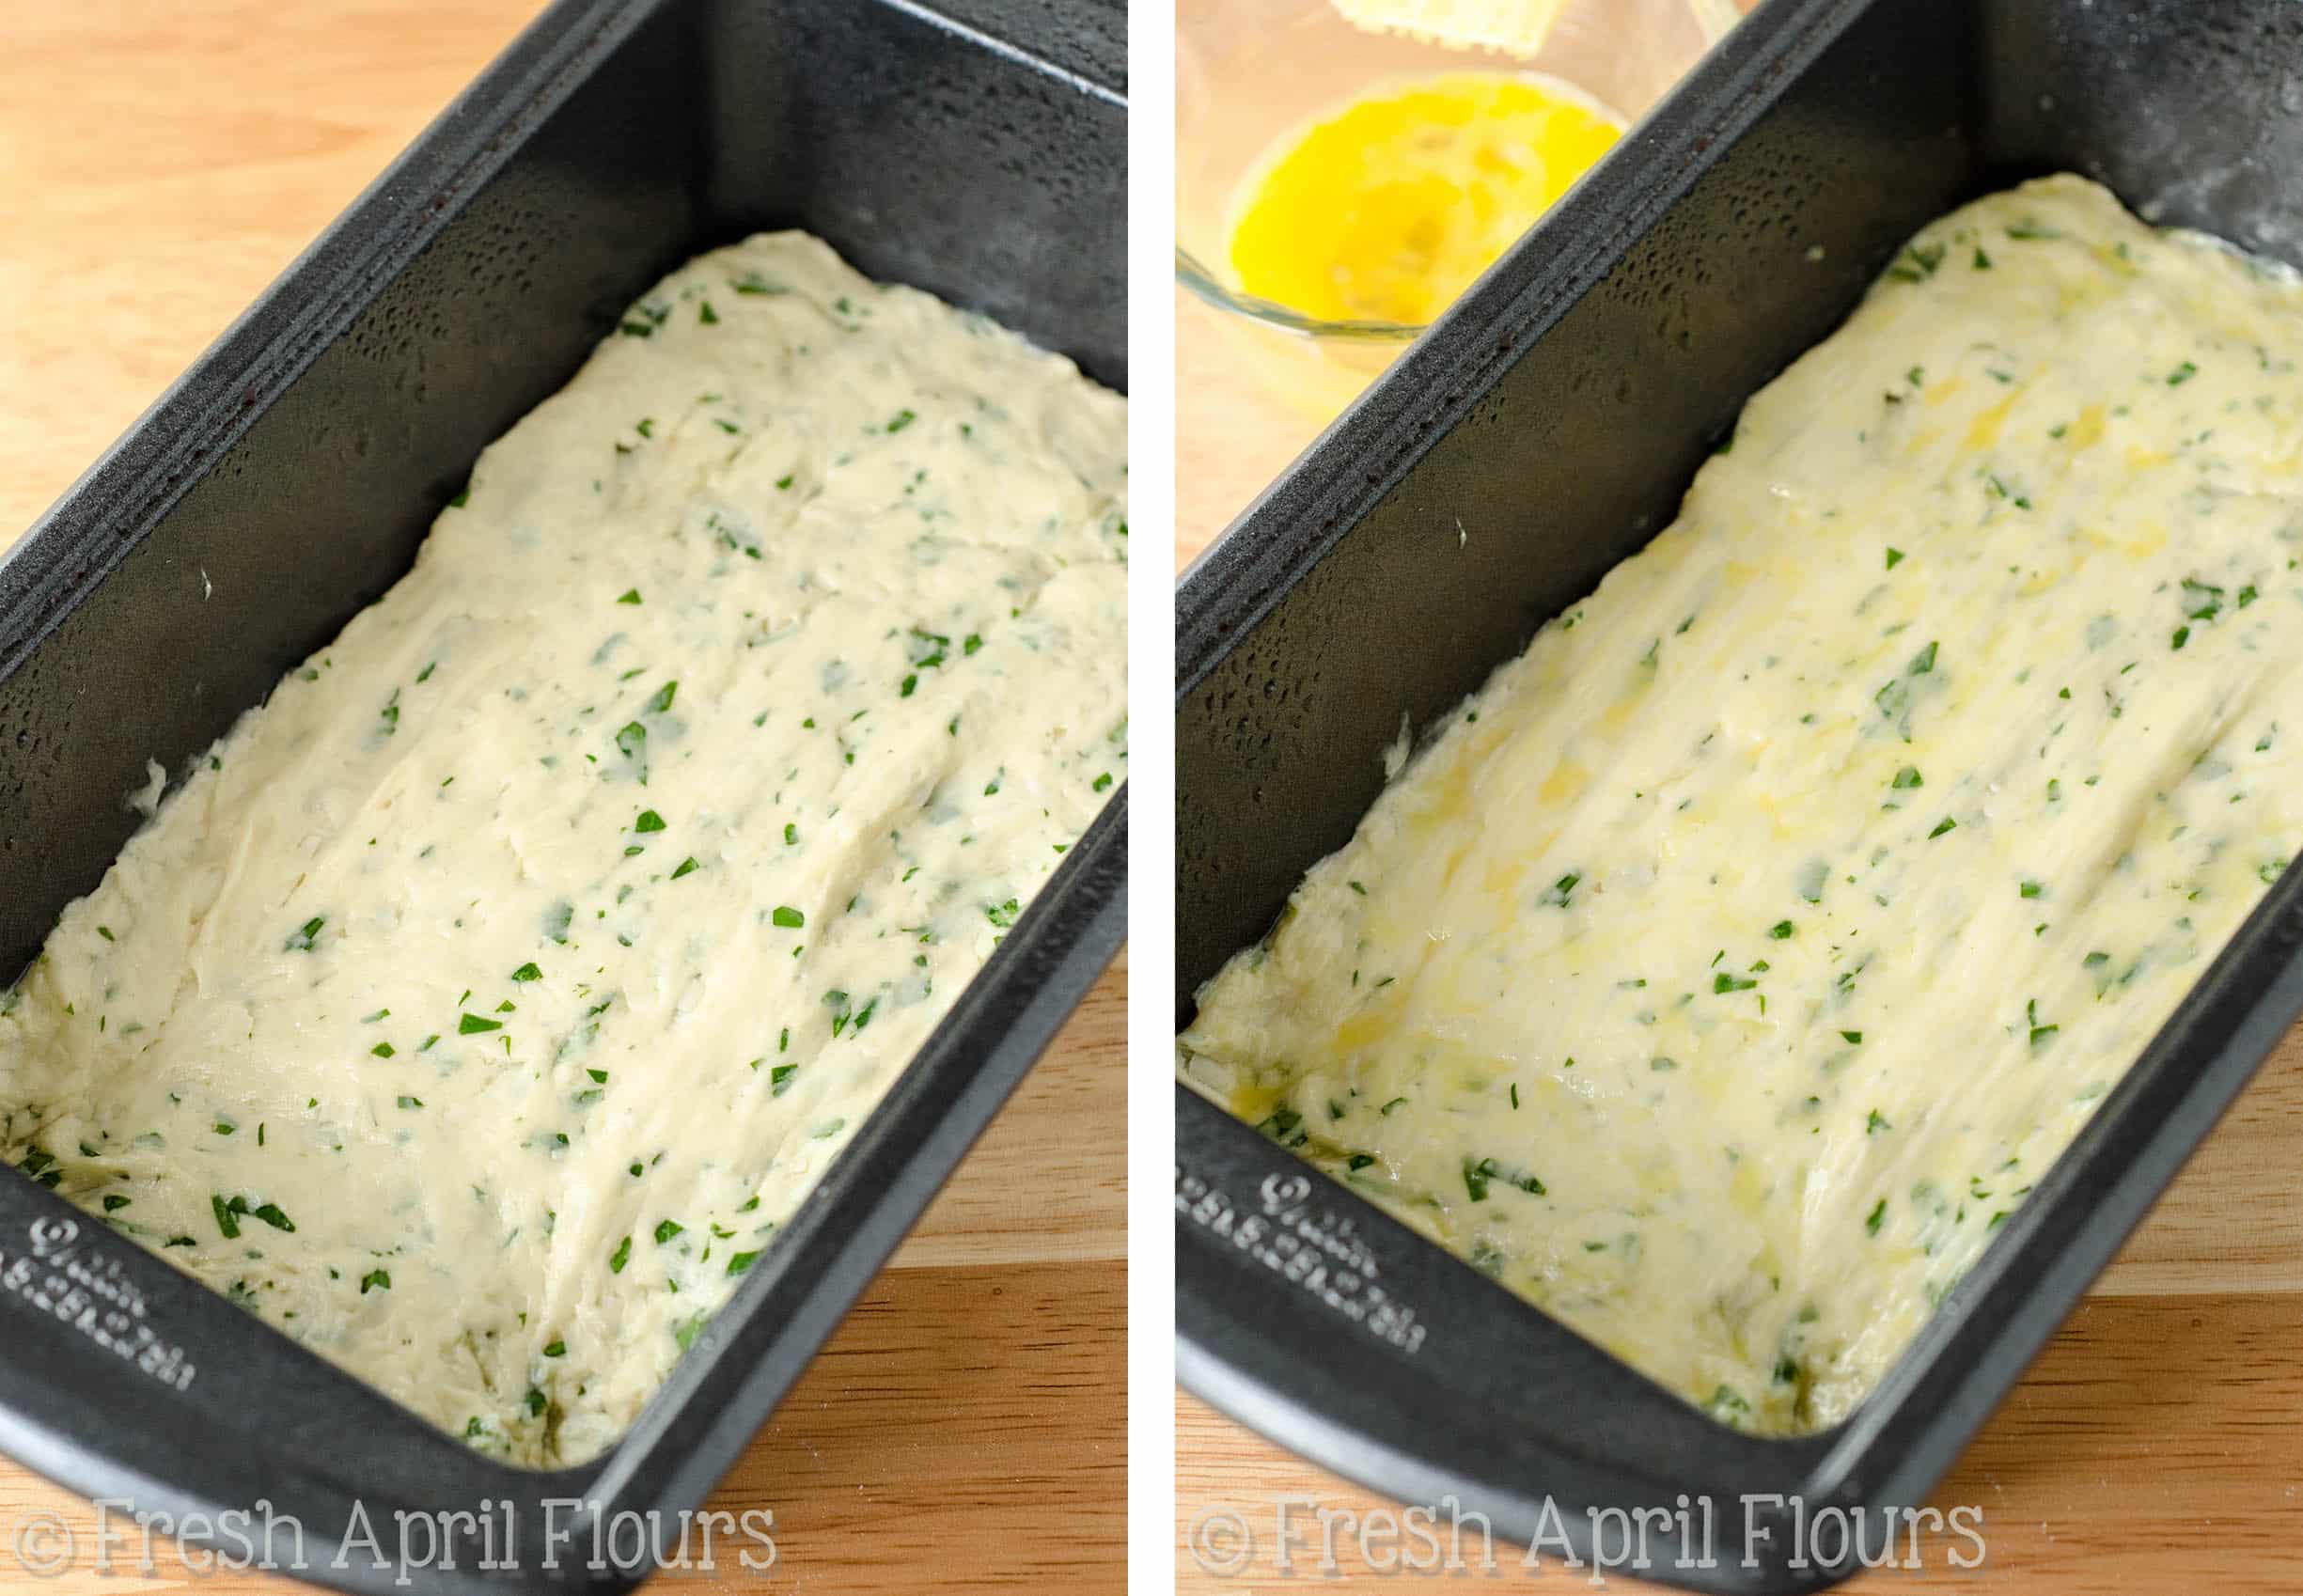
<point x="2155" y="1445"/>
<point x="160" y="162"/>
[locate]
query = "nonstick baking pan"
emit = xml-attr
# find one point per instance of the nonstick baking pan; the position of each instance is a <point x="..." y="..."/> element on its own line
<point x="1541" y="433"/>
<point x="976" y="148"/>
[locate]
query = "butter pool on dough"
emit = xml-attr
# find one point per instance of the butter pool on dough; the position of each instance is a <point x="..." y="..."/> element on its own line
<point x="1723" y="974"/>
<point x="479" y="1008"/>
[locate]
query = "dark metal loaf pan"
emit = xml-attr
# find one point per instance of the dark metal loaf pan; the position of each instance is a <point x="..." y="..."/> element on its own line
<point x="1558" y="413"/>
<point x="976" y="148"/>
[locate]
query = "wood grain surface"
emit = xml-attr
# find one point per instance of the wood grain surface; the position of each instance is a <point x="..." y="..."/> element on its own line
<point x="2156" y="1447"/>
<point x="161" y="160"/>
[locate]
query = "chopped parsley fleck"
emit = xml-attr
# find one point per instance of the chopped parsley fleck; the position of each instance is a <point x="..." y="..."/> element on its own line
<point x="1916" y="264"/>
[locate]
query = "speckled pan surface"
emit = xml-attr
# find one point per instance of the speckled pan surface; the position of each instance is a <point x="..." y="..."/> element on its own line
<point x="1540" y="434"/>
<point x="976" y="150"/>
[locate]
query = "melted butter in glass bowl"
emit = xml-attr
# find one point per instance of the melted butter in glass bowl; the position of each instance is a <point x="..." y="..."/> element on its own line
<point x="1337" y="189"/>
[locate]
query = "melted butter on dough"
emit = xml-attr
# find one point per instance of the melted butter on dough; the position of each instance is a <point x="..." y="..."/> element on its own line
<point x="1725" y="970"/>
<point x="476" y="1011"/>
